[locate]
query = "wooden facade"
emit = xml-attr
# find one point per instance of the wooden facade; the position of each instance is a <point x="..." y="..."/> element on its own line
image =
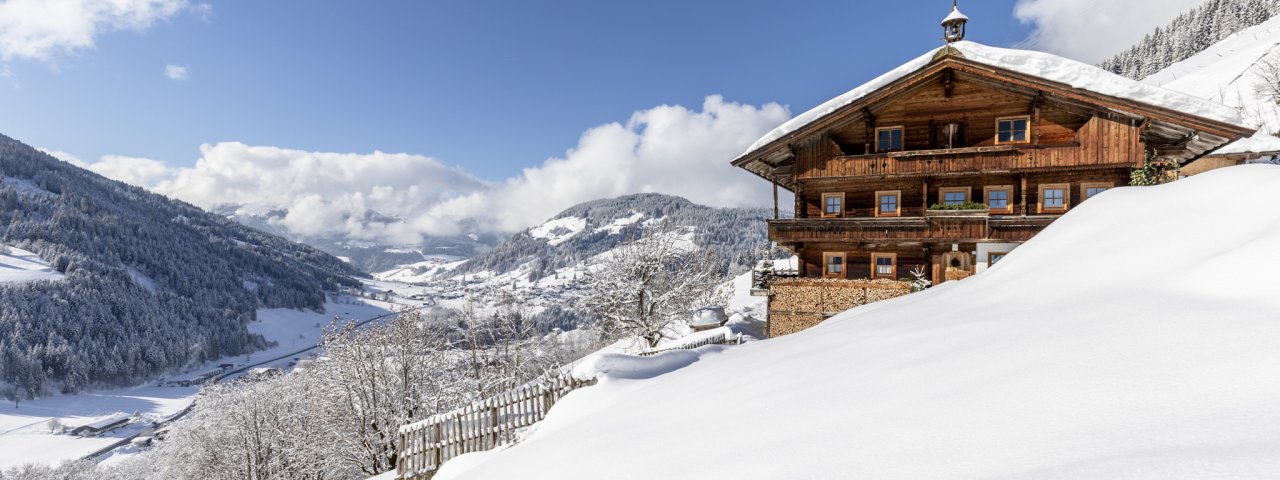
<point x="867" y="177"/>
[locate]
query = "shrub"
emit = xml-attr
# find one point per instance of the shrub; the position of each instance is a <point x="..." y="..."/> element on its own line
<point x="959" y="206"/>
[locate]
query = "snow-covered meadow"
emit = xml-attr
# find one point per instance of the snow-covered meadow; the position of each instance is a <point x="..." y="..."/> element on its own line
<point x="1137" y="337"/>
<point x="20" y="266"/>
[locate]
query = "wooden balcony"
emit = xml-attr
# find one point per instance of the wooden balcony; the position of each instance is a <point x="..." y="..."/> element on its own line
<point x="934" y="227"/>
<point x="998" y="158"/>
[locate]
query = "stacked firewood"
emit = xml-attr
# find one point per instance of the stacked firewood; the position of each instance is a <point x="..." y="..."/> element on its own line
<point x="783" y="324"/>
<point x="797" y="304"/>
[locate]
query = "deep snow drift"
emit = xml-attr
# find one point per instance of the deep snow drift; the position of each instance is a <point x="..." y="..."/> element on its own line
<point x="1137" y="337"/>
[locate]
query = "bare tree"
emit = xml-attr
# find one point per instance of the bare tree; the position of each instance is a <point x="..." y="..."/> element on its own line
<point x="376" y="380"/>
<point x="644" y="286"/>
<point x="1268" y="73"/>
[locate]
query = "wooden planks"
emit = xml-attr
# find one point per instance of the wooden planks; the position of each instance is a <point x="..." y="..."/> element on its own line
<point x="426" y="445"/>
<point x="988" y="159"/>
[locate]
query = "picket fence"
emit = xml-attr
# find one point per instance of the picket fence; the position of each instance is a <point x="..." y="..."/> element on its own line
<point x="425" y="446"/>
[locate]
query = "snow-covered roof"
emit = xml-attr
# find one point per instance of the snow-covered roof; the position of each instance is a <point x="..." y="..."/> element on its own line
<point x="955" y="15"/>
<point x="1038" y="64"/>
<point x="1259" y="143"/>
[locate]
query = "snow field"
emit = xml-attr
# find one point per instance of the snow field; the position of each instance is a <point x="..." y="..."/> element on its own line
<point x="1138" y="337"/>
<point x="559" y="230"/>
<point x="21" y="266"/>
<point x="1229" y="72"/>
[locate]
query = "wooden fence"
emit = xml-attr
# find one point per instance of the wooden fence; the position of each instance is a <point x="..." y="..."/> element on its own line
<point x="726" y="339"/>
<point x="426" y="445"/>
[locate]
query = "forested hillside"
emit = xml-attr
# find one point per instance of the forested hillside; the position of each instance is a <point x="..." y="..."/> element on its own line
<point x="1189" y="34"/>
<point x="734" y="235"/>
<point x="150" y="284"/>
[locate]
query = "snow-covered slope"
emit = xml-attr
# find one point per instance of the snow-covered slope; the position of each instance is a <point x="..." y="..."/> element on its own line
<point x="20" y="266"/>
<point x="1230" y="71"/>
<point x="1137" y="337"/>
<point x="545" y="267"/>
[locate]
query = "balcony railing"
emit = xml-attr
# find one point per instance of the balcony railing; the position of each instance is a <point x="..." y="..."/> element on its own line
<point x="954" y="160"/>
<point x="936" y="226"/>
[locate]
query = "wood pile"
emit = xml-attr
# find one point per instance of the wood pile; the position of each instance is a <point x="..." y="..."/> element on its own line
<point x="797" y="304"/>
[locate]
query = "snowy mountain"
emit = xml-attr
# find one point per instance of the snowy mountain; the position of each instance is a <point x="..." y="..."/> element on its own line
<point x="108" y="284"/>
<point x="1242" y="71"/>
<point x="591" y="228"/>
<point x="544" y="267"/>
<point x="1167" y="371"/>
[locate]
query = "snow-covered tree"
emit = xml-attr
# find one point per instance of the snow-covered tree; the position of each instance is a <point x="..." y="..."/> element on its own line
<point x="1189" y="34"/>
<point x="643" y="286"/>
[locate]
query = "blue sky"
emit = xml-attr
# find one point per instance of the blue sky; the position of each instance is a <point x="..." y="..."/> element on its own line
<point x="492" y="86"/>
<point x="257" y="106"/>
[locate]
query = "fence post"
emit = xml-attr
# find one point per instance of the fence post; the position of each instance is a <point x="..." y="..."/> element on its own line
<point x="438" y="446"/>
<point x="493" y="424"/>
<point x="400" y="458"/>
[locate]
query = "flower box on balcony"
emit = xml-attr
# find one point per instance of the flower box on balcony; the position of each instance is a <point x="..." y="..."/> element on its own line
<point x="940" y="212"/>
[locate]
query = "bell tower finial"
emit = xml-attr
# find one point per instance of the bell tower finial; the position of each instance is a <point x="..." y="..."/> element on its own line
<point x="954" y="25"/>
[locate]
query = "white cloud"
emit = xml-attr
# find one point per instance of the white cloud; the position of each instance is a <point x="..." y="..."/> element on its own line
<point x="1093" y="30"/>
<point x="43" y="29"/>
<point x="398" y="198"/>
<point x="134" y="170"/>
<point x="64" y="156"/>
<point x="666" y="149"/>
<point x="176" y="72"/>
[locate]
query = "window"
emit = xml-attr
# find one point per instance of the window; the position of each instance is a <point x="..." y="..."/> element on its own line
<point x="833" y="264"/>
<point x="888" y="139"/>
<point x="999" y="198"/>
<point x="1088" y="190"/>
<point x="884" y="265"/>
<point x="888" y="203"/>
<point x="953" y="195"/>
<point x="1012" y="129"/>
<point x="993" y="257"/>
<point x="949" y="134"/>
<point x="1053" y="197"/>
<point x="832" y="204"/>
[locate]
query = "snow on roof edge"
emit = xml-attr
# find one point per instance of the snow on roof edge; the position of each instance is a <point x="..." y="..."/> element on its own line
<point x="1260" y="142"/>
<point x="955" y="15"/>
<point x="1038" y="64"/>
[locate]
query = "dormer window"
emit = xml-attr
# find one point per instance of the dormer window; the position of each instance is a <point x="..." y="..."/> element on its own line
<point x="1012" y="129"/>
<point x="888" y="139"/>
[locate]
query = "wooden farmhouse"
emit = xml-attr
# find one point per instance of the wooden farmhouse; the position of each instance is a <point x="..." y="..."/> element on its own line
<point x="947" y="163"/>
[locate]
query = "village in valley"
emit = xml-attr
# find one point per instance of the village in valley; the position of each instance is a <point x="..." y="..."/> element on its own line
<point x="1003" y="252"/>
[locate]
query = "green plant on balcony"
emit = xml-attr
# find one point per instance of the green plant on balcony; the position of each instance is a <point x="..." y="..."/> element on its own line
<point x="959" y="206"/>
<point x="1154" y="171"/>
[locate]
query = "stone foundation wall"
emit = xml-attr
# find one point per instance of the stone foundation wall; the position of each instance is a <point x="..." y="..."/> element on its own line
<point x="797" y="304"/>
